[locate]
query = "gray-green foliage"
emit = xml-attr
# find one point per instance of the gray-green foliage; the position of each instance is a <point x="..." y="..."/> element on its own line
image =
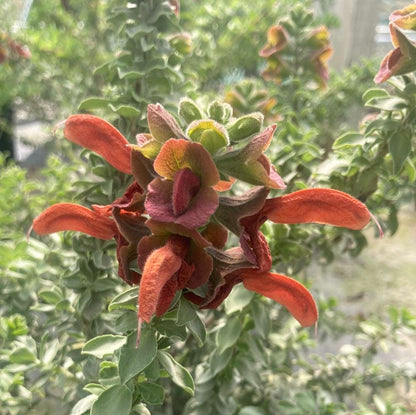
<point x="149" y="48"/>
<point x="62" y="352"/>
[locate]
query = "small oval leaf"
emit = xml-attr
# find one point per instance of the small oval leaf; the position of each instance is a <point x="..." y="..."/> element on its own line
<point x="101" y="346"/>
<point x="115" y="400"/>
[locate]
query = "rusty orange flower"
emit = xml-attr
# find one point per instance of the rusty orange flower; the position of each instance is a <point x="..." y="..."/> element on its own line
<point x="173" y="223"/>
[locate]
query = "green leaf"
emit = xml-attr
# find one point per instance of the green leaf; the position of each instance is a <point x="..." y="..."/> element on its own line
<point x="374" y="93"/>
<point x="228" y="335"/>
<point x="180" y="375"/>
<point x="22" y="355"/>
<point x="129" y="74"/>
<point x="171" y="329"/>
<point x="115" y="400"/>
<point x="127" y="300"/>
<point x="105" y="345"/>
<point x="347" y="140"/>
<point x="220" y="111"/>
<point x="261" y="317"/>
<point x="306" y="401"/>
<point x="387" y="103"/>
<point x="93" y="104"/>
<point x="50" y="350"/>
<point x="381" y="406"/>
<point x="245" y="126"/>
<point x="141" y="409"/>
<point x="238" y="299"/>
<point x="139" y="29"/>
<point x="186" y="312"/>
<point x="83" y="405"/>
<point x="288" y="408"/>
<point x="384" y="124"/>
<point x="198" y="330"/>
<point x="410" y="169"/>
<point x="126" y="111"/>
<point x="400" y="146"/>
<point x="152" y="393"/>
<point x="209" y="133"/>
<point x="126" y="322"/>
<point x="251" y="410"/>
<point x="94" y="388"/>
<point x="189" y="111"/>
<point x="50" y="297"/>
<point x="219" y="361"/>
<point x="133" y="360"/>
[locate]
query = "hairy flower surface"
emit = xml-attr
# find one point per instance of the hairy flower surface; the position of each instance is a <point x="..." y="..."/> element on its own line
<point x="402" y="59"/>
<point x="173" y="223"/>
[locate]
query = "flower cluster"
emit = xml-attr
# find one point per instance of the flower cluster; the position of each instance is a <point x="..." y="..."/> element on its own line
<point x="10" y="49"/>
<point x="289" y="52"/>
<point x="402" y="59"/>
<point x="174" y="219"/>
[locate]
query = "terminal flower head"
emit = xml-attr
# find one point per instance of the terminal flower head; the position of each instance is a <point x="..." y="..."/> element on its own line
<point x="402" y="59"/>
<point x="172" y="221"/>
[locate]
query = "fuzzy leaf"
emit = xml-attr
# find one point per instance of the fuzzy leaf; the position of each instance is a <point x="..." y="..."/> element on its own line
<point x="238" y="299"/>
<point x="127" y="300"/>
<point x="104" y="345"/>
<point x="245" y="126"/>
<point x="209" y="133"/>
<point x="152" y="393"/>
<point x="83" y="405"/>
<point x="162" y="125"/>
<point x="133" y="359"/>
<point x="197" y="328"/>
<point x="116" y="399"/>
<point x="189" y="111"/>
<point x="348" y="139"/>
<point x="231" y="209"/>
<point x="220" y="111"/>
<point x="180" y="375"/>
<point x="400" y="146"/>
<point x="180" y="154"/>
<point x="228" y="335"/>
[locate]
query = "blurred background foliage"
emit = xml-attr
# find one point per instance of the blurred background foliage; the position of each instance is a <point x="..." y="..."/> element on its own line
<point x="113" y="58"/>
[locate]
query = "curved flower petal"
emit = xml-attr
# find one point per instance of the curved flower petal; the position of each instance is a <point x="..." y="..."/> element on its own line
<point x="72" y="217"/>
<point x="162" y="125"/>
<point x="286" y="291"/>
<point x="216" y="234"/>
<point x="390" y="64"/>
<point x="405" y="18"/>
<point x="203" y="264"/>
<point x="325" y="206"/>
<point x="256" y="248"/>
<point x="186" y="185"/>
<point x="277" y="39"/>
<point x="159" y="205"/>
<point x="167" y="228"/>
<point x="224" y="185"/>
<point x="180" y="154"/>
<point x="160" y="266"/>
<point x="101" y="137"/>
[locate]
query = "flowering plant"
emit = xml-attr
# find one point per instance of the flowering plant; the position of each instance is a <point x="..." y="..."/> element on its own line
<point x="401" y="60"/>
<point x="11" y="49"/>
<point x="172" y="221"/>
<point x="295" y="48"/>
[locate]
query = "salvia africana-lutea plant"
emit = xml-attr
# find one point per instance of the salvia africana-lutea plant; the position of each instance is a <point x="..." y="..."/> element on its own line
<point x="173" y="222"/>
